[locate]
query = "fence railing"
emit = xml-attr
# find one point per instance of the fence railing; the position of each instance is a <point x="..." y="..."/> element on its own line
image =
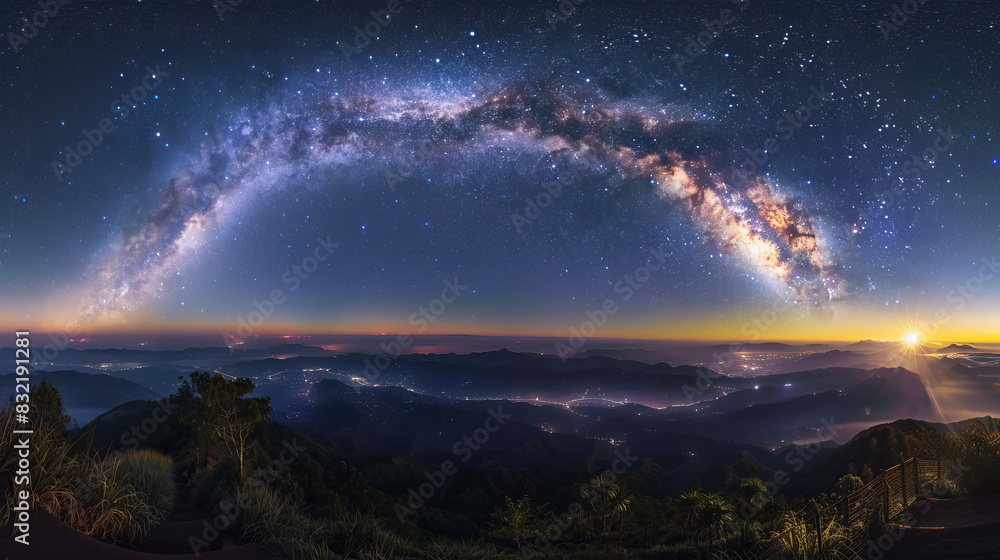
<point x="863" y="514"/>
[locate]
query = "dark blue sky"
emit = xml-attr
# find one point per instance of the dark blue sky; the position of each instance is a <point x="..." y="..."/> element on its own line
<point x="416" y="155"/>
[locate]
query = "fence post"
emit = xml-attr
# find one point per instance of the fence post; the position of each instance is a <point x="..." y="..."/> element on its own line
<point x="916" y="479"/>
<point x="885" y="498"/>
<point x="902" y="482"/>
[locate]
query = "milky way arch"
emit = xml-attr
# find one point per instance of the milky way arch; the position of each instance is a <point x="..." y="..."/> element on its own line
<point x="769" y="234"/>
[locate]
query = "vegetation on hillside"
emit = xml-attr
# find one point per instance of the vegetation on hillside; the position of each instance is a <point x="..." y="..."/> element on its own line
<point x="118" y="498"/>
<point x="303" y="500"/>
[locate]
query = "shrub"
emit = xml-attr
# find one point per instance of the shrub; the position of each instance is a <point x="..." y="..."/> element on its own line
<point x="108" y="507"/>
<point x="54" y="469"/>
<point x="275" y="521"/>
<point x="151" y="474"/>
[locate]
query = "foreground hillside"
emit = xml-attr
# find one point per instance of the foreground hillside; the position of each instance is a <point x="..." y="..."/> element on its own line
<point x="495" y="488"/>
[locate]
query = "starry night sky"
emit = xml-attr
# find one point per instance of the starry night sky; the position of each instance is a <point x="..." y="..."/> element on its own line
<point x="260" y="135"/>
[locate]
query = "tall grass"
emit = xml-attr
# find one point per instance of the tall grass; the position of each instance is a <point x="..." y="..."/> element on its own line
<point x="461" y="550"/>
<point x="124" y="497"/>
<point x="54" y="469"/>
<point x="367" y="534"/>
<point x="117" y="500"/>
<point x="275" y="521"/>
<point x="796" y="538"/>
<point x="152" y="474"/>
<point x="280" y="523"/>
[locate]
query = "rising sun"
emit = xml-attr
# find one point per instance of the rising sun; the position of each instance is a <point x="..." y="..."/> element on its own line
<point x="912" y="339"/>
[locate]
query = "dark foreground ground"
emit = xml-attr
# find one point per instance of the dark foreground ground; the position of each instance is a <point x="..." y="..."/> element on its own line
<point x="951" y="529"/>
<point x="967" y="528"/>
<point x="51" y="539"/>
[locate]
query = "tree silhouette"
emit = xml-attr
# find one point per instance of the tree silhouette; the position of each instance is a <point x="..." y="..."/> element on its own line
<point x="690" y="504"/>
<point x="47" y="405"/>
<point x="708" y="512"/>
<point x="221" y="413"/>
<point x="751" y="494"/>
<point x="609" y="502"/>
<point x="716" y="515"/>
<point x="848" y="484"/>
<point x="516" y="520"/>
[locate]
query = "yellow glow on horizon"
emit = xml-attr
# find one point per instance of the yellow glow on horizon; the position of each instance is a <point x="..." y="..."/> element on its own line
<point x="749" y="325"/>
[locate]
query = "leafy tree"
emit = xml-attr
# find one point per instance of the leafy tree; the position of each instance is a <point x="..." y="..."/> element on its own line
<point x="716" y="515"/>
<point x="609" y="502"/>
<point x="705" y="512"/>
<point x="866" y="474"/>
<point x="649" y="518"/>
<point x="751" y="495"/>
<point x="771" y="512"/>
<point x="977" y="447"/>
<point x="695" y="485"/>
<point x="516" y="520"/>
<point x="848" y="484"/>
<point x="221" y="413"/>
<point x="47" y="404"/>
<point x="690" y="512"/>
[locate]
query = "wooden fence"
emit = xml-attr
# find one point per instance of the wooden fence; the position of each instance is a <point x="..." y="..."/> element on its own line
<point x="862" y="515"/>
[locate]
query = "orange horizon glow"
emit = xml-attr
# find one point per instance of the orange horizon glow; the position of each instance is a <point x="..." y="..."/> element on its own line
<point x="719" y="331"/>
<point x="794" y="325"/>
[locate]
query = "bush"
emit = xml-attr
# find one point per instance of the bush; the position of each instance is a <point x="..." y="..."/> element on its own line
<point x="122" y="498"/>
<point x="275" y="521"/>
<point x="943" y="488"/>
<point x="977" y="445"/>
<point x="152" y="474"/>
<point x="54" y="469"/>
<point x="210" y="485"/>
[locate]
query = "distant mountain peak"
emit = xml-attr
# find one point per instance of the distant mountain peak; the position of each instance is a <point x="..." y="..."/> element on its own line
<point x="958" y="348"/>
